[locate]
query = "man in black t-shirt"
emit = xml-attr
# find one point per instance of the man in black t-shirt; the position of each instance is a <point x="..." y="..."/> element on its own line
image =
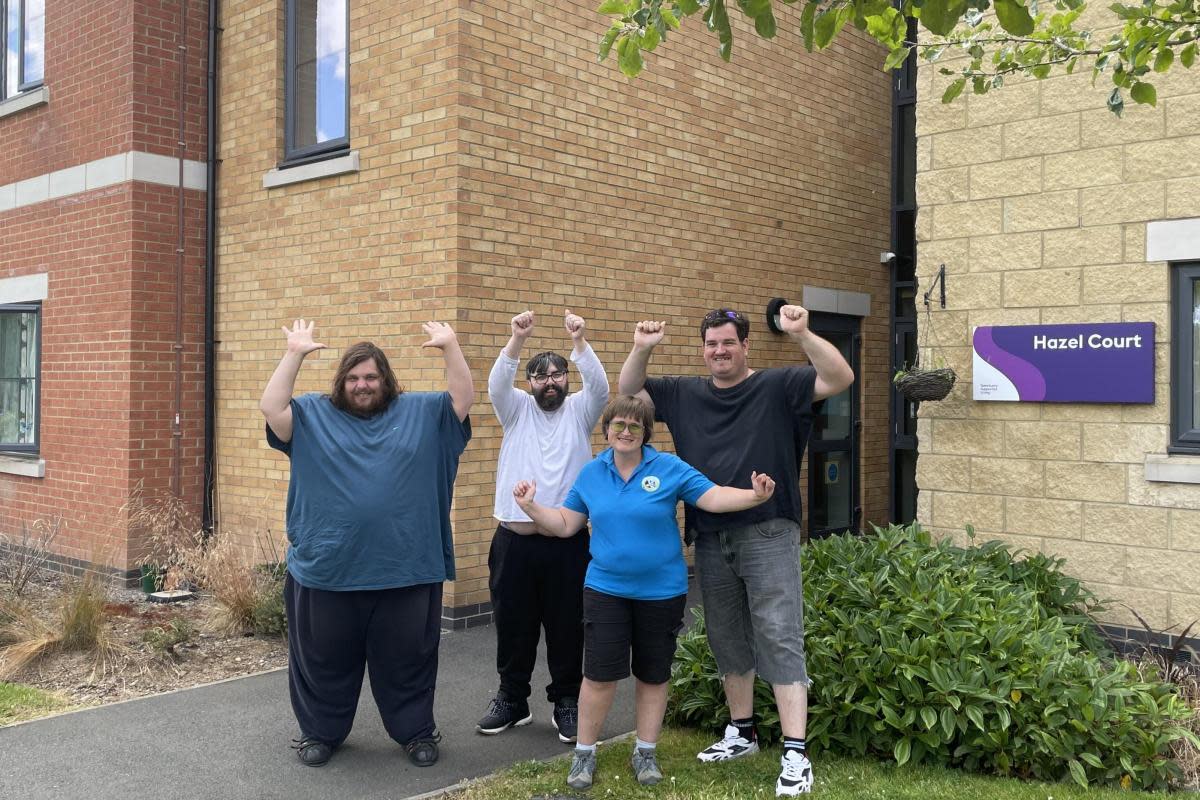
<point x="736" y="421"/>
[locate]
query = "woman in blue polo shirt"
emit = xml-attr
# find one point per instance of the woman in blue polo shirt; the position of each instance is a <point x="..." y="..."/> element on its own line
<point x="636" y="587"/>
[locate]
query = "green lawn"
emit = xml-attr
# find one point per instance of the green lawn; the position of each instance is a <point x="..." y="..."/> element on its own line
<point x="19" y="703"/>
<point x="754" y="777"/>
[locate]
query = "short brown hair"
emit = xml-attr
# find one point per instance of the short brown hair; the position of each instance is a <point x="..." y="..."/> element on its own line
<point x="723" y="316"/>
<point x="630" y="407"/>
<point x="354" y="356"/>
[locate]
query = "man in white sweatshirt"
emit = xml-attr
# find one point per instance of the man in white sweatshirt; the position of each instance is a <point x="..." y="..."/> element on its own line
<point x="537" y="580"/>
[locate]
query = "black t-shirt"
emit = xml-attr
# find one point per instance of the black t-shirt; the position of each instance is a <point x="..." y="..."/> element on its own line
<point x="761" y="425"/>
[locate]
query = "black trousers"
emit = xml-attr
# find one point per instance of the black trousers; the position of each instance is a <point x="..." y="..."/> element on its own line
<point x="537" y="582"/>
<point x="333" y="636"/>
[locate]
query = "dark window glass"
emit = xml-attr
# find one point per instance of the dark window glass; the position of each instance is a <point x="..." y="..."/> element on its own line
<point x="905" y="181"/>
<point x="23" y="23"/>
<point x="1185" y="358"/>
<point x="33" y="39"/>
<point x="19" y="364"/>
<point x="318" y="80"/>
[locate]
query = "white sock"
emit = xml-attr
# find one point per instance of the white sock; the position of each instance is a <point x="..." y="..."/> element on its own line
<point x="645" y="745"/>
<point x="586" y="748"/>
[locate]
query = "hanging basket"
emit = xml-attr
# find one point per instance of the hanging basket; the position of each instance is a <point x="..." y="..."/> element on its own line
<point x="925" y="384"/>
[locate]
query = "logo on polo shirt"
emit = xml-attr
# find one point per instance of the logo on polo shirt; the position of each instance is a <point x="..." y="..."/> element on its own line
<point x="650" y="483"/>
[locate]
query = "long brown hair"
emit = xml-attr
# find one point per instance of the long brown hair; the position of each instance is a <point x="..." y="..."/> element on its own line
<point x="354" y="356"/>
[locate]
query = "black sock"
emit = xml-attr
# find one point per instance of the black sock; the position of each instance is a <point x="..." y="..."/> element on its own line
<point x="792" y="743"/>
<point x="745" y="728"/>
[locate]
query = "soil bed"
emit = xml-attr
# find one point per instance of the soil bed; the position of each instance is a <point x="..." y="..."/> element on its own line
<point x="135" y="668"/>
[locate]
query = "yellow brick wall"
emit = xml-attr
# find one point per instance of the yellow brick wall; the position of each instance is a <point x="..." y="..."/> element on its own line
<point x="1036" y="199"/>
<point x="503" y="169"/>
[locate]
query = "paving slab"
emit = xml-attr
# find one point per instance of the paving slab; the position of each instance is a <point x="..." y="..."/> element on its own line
<point x="230" y="740"/>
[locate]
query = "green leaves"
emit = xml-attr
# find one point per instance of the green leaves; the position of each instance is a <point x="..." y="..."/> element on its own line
<point x="629" y="56"/>
<point x="953" y="90"/>
<point x="1144" y="93"/>
<point x="924" y="652"/>
<point x="1014" y="17"/>
<point x="942" y="16"/>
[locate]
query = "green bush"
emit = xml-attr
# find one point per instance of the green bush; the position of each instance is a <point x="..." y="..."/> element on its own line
<point x="268" y="616"/>
<point x="164" y="639"/>
<point x="967" y="657"/>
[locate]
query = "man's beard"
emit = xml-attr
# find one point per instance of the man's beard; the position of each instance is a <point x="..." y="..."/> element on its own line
<point x="548" y="401"/>
<point x="374" y="407"/>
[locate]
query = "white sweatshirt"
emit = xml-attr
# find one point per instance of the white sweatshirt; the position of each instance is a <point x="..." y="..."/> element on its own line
<point x="549" y="448"/>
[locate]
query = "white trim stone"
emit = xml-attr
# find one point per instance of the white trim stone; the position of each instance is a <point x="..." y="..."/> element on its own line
<point x="1173" y="240"/>
<point x="102" y="172"/>
<point x="35" y="97"/>
<point x="25" y="288"/>
<point x="341" y="165"/>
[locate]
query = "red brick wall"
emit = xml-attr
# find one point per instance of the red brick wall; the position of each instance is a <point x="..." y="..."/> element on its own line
<point x="109" y="323"/>
<point x="111" y="67"/>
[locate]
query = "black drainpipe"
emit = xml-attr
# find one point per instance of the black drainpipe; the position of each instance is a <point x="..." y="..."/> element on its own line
<point x="210" y="278"/>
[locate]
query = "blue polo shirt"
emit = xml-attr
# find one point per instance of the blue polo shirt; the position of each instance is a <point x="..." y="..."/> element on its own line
<point x="368" y="505"/>
<point x="636" y="550"/>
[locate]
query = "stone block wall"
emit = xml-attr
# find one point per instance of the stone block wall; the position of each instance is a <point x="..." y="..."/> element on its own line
<point x="1037" y="198"/>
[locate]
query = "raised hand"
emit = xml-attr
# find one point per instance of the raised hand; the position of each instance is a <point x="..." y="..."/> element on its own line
<point x="763" y="485"/>
<point x="440" y="334"/>
<point x="574" y="325"/>
<point x="794" y="320"/>
<point x="300" y="337"/>
<point x="523" y="493"/>
<point x="649" y="333"/>
<point x="522" y="325"/>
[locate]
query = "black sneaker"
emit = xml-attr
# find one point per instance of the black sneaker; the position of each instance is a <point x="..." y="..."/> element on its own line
<point x="566" y="719"/>
<point x="504" y="714"/>
<point x="312" y="752"/>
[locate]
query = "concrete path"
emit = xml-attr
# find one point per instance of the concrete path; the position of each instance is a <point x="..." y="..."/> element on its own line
<point x="230" y="740"/>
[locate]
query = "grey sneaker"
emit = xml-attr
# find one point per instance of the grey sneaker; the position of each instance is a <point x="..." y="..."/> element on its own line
<point x="583" y="767"/>
<point x="645" y="767"/>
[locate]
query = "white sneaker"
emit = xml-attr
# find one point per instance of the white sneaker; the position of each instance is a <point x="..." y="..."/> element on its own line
<point x="734" y="745"/>
<point x="795" y="775"/>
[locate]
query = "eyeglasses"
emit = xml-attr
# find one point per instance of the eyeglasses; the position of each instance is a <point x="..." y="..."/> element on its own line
<point x="720" y="316"/>
<point x="618" y="426"/>
<point x="541" y="378"/>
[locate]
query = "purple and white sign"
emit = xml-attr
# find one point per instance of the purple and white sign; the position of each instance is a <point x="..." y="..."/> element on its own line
<point x="1107" y="362"/>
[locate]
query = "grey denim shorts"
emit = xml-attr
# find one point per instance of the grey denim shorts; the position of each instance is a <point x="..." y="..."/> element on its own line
<point x="753" y="599"/>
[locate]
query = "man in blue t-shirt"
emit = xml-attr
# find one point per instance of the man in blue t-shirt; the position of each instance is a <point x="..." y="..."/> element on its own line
<point x="369" y="540"/>
<point x="735" y="421"/>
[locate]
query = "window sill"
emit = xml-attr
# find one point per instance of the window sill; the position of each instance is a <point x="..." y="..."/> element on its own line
<point x="30" y="99"/>
<point x="29" y="466"/>
<point x="341" y="165"/>
<point x="1172" y="469"/>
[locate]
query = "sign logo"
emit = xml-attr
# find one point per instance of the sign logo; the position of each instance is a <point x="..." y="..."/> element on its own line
<point x="650" y="483"/>
<point x="1106" y="362"/>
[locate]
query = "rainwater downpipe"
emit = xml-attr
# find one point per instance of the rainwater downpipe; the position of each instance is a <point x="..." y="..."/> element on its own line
<point x="181" y="143"/>
<point x="208" y="521"/>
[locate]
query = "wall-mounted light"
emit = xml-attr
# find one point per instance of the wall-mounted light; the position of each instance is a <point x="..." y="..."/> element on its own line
<point x="773" y="321"/>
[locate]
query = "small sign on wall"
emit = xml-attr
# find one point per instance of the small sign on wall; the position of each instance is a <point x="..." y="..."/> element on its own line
<point x="1107" y="362"/>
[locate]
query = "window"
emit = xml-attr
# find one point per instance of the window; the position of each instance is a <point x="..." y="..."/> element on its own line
<point x="1185" y="358"/>
<point x="20" y="349"/>
<point x="318" y="86"/>
<point x="24" y="26"/>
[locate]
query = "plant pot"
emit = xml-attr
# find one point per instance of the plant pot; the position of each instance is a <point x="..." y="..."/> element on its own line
<point x="151" y="578"/>
<point x="925" y="384"/>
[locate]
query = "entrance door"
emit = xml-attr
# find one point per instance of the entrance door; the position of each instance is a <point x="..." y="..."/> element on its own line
<point x="833" y="502"/>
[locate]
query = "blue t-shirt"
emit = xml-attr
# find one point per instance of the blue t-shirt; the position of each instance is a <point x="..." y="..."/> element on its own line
<point x="636" y="552"/>
<point x="368" y="505"/>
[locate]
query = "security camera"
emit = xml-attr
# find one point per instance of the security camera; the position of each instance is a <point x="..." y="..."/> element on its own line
<point x="886" y="256"/>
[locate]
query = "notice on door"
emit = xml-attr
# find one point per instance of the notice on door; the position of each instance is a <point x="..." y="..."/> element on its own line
<point x="1108" y="362"/>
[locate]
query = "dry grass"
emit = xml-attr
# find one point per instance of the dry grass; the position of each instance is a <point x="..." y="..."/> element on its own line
<point x="24" y="559"/>
<point x="82" y="625"/>
<point x="216" y="564"/>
